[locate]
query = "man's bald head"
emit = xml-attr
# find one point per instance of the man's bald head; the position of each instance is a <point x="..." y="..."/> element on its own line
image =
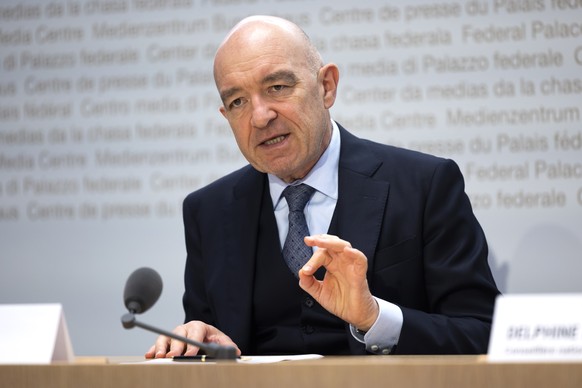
<point x="262" y="29"/>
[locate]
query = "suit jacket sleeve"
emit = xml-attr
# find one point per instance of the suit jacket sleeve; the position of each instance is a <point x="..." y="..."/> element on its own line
<point x="452" y="311"/>
<point x="195" y="300"/>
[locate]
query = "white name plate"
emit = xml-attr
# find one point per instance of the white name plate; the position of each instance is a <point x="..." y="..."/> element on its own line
<point x="534" y="327"/>
<point x="34" y="334"/>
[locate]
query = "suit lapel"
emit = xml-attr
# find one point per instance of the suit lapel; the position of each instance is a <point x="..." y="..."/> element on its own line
<point x="362" y="199"/>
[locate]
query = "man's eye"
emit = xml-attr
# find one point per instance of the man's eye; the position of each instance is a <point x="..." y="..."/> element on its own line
<point x="277" y="88"/>
<point x="236" y="103"/>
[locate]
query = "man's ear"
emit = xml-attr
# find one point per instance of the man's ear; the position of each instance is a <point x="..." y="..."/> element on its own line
<point x="329" y="78"/>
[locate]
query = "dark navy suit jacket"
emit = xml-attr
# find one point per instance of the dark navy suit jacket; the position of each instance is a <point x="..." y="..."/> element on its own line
<point x="406" y="211"/>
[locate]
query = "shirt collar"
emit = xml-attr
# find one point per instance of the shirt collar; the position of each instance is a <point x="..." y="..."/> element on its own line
<point x="323" y="177"/>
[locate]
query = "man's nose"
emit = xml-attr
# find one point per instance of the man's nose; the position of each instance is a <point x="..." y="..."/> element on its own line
<point x="262" y="113"/>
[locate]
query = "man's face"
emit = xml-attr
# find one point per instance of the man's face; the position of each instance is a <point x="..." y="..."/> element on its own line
<point x="275" y="103"/>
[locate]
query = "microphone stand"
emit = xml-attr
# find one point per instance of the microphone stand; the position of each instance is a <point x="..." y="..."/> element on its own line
<point x="213" y="350"/>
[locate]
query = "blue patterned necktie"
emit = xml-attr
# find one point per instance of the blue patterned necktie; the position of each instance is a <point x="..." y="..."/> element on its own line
<point x="295" y="252"/>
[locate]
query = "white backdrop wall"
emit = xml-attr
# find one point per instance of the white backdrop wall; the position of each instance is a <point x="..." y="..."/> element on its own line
<point x="109" y="117"/>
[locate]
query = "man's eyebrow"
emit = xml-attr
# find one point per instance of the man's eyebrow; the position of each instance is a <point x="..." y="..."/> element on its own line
<point x="281" y="75"/>
<point x="226" y="94"/>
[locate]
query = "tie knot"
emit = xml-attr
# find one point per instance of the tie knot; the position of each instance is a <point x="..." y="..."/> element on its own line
<point x="298" y="196"/>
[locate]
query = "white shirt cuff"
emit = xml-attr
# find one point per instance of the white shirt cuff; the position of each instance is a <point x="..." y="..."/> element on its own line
<point x="385" y="332"/>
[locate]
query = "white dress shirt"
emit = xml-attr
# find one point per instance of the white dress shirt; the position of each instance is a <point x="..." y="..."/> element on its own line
<point x="323" y="177"/>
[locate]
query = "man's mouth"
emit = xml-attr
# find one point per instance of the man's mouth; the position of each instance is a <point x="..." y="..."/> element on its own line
<point x="275" y="140"/>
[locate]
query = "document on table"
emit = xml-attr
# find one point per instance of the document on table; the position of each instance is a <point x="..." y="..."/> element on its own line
<point x="269" y="359"/>
<point x="241" y="360"/>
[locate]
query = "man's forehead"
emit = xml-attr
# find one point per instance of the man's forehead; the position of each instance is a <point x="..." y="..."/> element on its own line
<point x="254" y="70"/>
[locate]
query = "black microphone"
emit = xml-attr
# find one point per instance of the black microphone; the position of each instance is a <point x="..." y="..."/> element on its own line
<point x="142" y="290"/>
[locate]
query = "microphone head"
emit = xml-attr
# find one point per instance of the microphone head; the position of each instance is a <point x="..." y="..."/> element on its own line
<point x="142" y="290"/>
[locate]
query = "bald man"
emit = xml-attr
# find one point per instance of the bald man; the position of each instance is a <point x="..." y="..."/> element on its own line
<point x="399" y="261"/>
